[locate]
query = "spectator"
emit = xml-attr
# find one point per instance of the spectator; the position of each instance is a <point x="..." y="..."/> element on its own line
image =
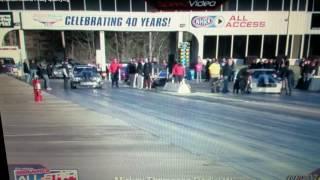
<point x="114" y="70"/>
<point x="2" y="70"/>
<point x="317" y="68"/>
<point x="226" y="72"/>
<point x="253" y="64"/>
<point x="259" y="64"/>
<point x="231" y="77"/>
<point x="207" y="69"/>
<point x="178" y="72"/>
<point x="215" y="73"/>
<point x="198" y="69"/>
<point x="313" y="68"/>
<point x="44" y="75"/>
<point x="66" y="73"/>
<point x="132" y="70"/>
<point x="33" y="68"/>
<point x="26" y="71"/>
<point x="147" y="71"/>
<point x="307" y="71"/>
<point x="287" y="76"/>
<point x="140" y="74"/>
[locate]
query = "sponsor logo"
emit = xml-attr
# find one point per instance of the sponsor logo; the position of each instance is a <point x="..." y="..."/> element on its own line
<point x="39" y="172"/>
<point x="202" y="3"/>
<point x="185" y="5"/>
<point x="47" y="19"/>
<point x="207" y="21"/>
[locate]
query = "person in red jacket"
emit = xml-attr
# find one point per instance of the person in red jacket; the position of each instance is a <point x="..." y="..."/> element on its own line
<point x="178" y="72"/>
<point x="114" y="70"/>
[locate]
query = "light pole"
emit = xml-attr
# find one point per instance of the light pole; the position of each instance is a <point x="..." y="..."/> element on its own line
<point x="288" y="26"/>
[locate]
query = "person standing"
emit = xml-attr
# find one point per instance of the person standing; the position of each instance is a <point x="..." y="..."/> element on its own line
<point x="287" y="76"/>
<point x="114" y="70"/>
<point x="2" y="69"/>
<point x="132" y="70"/>
<point x="215" y="73"/>
<point x="44" y="74"/>
<point x="147" y="71"/>
<point x="178" y="72"/>
<point x="226" y="73"/>
<point x="207" y="70"/>
<point x="33" y="69"/>
<point x="307" y="70"/>
<point x="198" y="69"/>
<point x="66" y="73"/>
<point x="140" y="74"/>
<point x="26" y="71"/>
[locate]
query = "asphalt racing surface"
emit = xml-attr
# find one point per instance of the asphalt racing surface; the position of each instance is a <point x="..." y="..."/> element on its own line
<point x="260" y="136"/>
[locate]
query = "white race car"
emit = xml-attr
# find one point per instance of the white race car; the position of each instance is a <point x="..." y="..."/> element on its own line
<point x="265" y="81"/>
<point x="258" y="80"/>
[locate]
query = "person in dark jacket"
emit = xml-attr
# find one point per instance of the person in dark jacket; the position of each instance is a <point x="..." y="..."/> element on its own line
<point x="2" y="69"/>
<point x="44" y="75"/>
<point x="26" y="71"/>
<point x="307" y="71"/>
<point x="33" y="68"/>
<point x="140" y="77"/>
<point x="226" y="73"/>
<point x="147" y="70"/>
<point x="207" y="70"/>
<point x="65" y="70"/>
<point x="132" y="70"/>
<point x="287" y="77"/>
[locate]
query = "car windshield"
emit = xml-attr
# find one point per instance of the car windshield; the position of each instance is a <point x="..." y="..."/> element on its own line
<point x="80" y="70"/>
<point x="7" y="60"/>
<point x="257" y="74"/>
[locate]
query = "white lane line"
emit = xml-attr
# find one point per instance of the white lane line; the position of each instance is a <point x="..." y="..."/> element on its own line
<point x="19" y="135"/>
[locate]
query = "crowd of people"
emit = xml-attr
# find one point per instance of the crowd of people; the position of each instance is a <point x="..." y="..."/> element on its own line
<point x="141" y="72"/>
<point x="222" y="71"/>
<point x="219" y="73"/>
<point x="34" y="70"/>
<point x="308" y="69"/>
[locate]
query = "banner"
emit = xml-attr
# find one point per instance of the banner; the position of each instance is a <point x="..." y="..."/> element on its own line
<point x="208" y="23"/>
<point x="102" y="21"/>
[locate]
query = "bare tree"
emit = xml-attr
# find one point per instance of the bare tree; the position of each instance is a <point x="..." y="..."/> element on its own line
<point x="83" y="42"/>
<point x="126" y="45"/>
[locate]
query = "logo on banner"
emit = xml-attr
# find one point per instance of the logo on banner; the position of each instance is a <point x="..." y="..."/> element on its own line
<point x="39" y="172"/>
<point x="47" y="19"/>
<point x="207" y="21"/>
<point x="202" y="3"/>
<point x="6" y="20"/>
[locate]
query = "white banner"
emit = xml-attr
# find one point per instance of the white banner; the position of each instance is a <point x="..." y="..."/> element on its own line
<point x="102" y="21"/>
<point x="205" y="23"/>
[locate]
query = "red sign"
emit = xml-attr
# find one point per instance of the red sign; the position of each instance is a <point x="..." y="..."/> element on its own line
<point x="243" y="22"/>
